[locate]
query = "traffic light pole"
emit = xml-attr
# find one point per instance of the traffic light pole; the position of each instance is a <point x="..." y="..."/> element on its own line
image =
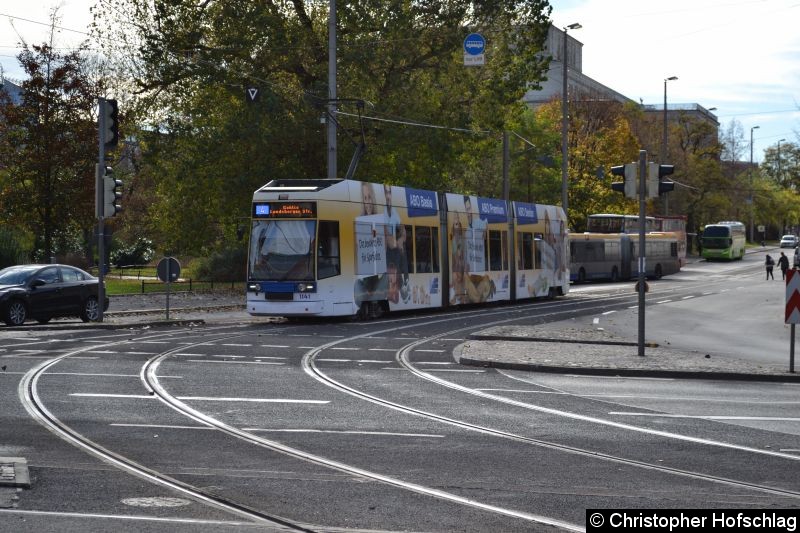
<point x="642" y="252"/>
<point x="100" y="202"/>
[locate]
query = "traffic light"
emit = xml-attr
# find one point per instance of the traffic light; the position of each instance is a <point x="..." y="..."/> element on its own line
<point x="628" y="174"/>
<point x="110" y="121"/>
<point x="112" y="192"/>
<point x="655" y="186"/>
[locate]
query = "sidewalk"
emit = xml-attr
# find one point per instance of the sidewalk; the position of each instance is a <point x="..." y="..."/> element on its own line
<point x="570" y="348"/>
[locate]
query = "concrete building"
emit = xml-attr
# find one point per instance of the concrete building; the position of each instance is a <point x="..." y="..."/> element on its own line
<point x="577" y="81"/>
<point x="582" y="86"/>
<point x="13" y="90"/>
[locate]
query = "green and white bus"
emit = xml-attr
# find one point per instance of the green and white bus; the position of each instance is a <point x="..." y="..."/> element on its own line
<point x="723" y="240"/>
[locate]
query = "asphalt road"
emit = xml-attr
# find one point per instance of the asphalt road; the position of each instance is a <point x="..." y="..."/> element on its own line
<point x="341" y="426"/>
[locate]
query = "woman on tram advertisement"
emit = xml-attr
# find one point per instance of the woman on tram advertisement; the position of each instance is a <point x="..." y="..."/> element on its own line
<point x="468" y="255"/>
<point x="383" y="247"/>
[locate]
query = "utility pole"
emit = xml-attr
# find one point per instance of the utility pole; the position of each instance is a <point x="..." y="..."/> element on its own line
<point x="565" y="122"/>
<point x="332" y="90"/>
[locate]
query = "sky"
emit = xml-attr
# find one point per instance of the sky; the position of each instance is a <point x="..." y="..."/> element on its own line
<point x="740" y="56"/>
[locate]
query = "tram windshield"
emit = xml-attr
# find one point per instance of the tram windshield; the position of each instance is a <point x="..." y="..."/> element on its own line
<point x="281" y="250"/>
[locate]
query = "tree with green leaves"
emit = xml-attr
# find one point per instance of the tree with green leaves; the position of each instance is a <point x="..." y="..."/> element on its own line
<point x="186" y="66"/>
<point x="48" y="145"/>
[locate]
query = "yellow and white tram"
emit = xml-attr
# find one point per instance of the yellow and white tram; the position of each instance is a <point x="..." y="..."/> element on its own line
<point x="343" y="248"/>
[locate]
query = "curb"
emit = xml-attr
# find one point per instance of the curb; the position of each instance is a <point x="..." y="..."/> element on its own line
<point x="624" y="372"/>
<point x="106" y="325"/>
<point x="479" y="337"/>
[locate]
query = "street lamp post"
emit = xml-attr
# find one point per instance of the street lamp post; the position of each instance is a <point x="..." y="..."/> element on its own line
<point x="664" y="141"/>
<point x="565" y="122"/>
<point x="752" y="235"/>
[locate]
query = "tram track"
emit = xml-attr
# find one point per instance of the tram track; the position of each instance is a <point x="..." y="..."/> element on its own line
<point x="556" y="310"/>
<point x="29" y="396"/>
<point x="403" y="359"/>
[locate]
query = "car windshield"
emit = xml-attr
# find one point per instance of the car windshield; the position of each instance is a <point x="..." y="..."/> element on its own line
<point x="15" y="275"/>
<point x="787" y="238"/>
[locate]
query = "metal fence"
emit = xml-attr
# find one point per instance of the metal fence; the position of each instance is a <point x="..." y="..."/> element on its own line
<point x="188" y="285"/>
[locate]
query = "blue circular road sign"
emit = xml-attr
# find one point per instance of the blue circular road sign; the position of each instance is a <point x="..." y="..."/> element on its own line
<point x="474" y="44"/>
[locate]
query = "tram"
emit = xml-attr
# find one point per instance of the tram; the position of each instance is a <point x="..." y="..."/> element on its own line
<point x="352" y="248"/>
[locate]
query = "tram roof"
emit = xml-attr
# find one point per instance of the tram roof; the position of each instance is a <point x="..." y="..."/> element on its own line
<point x="298" y="185"/>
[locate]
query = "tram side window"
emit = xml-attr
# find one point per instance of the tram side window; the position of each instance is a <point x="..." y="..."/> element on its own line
<point x="537" y="250"/>
<point x="525" y="241"/>
<point x="426" y="249"/>
<point x="673" y="249"/>
<point x="434" y="249"/>
<point x="422" y="243"/>
<point x="408" y="246"/>
<point x="504" y="241"/>
<point x="328" y="263"/>
<point x="496" y="250"/>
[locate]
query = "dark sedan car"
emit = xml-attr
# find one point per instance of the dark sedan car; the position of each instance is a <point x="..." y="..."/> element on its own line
<point x="42" y="292"/>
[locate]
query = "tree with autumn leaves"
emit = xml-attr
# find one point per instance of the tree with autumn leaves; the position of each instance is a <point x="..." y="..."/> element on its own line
<point x="48" y="147"/>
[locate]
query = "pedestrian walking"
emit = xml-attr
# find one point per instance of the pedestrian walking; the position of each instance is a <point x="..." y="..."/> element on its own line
<point x="769" y="263"/>
<point x="783" y="262"/>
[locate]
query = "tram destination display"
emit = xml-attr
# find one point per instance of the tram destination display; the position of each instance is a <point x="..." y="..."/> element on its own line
<point x="284" y="210"/>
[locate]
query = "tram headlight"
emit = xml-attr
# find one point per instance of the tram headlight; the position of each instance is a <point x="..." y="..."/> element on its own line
<point x="253" y="287"/>
<point x="306" y="287"/>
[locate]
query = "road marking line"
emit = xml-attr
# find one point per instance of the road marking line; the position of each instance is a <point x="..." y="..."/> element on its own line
<point x="430" y="351"/>
<point x="12" y="356"/>
<point x="455" y="370"/>
<point x="690" y="398"/>
<point x="12" y="512"/>
<point x="97" y="395"/>
<point x="664" y="302"/>
<point x="198" y="398"/>
<point x="435" y="363"/>
<point x="708" y="417"/>
<point x="160" y="426"/>
<point x="595" y="321"/>
<point x="275" y="346"/>
<point x="336" y="360"/>
<point x="609" y="312"/>
<point x="103" y="375"/>
<point x="233" y="362"/>
<point x="619" y="377"/>
<point x="254" y="400"/>
<point x="345" y="348"/>
<point x="527" y="391"/>
<point x="230" y="356"/>
<point x="347" y="432"/>
<point x="381" y="350"/>
<point x="687" y="297"/>
<point x="234" y="344"/>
